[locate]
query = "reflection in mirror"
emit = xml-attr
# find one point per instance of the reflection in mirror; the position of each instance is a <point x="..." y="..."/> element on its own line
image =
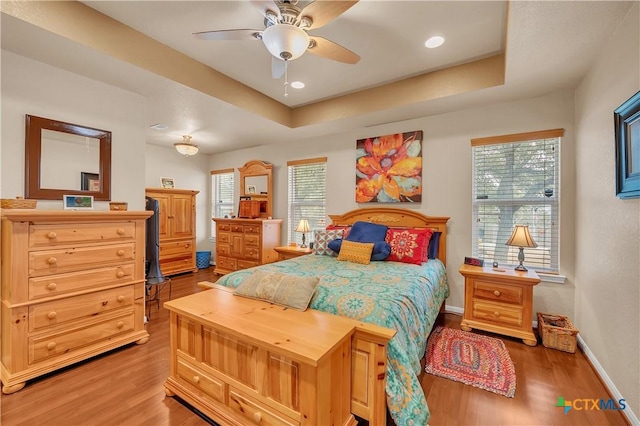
<point x="255" y="182"/>
<point x="66" y="158"/>
<point x="63" y="158"/>
<point x="259" y="184"/>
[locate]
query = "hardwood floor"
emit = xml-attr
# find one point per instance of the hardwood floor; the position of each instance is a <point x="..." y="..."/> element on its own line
<point x="125" y="386"/>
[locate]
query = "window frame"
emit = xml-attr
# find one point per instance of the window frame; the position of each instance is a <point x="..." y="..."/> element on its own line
<point x="215" y="177"/>
<point x="551" y="204"/>
<point x="316" y="222"/>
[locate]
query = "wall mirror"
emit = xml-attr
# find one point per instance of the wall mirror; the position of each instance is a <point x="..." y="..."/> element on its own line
<point x="255" y="182"/>
<point x="63" y="158"/>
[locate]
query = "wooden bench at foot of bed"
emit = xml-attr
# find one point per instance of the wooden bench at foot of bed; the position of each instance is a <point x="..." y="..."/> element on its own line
<point x="242" y="361"/>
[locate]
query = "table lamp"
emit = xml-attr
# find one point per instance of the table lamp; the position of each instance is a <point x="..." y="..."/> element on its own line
<point x="521" y="238"/>
<point x="303" y="227"/>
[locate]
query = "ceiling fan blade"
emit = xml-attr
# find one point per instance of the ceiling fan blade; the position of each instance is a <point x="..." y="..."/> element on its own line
<point x="330" y="50"/>
<point x="228" y="35"/>
<point x="266" y="5"/>
<point x="322" y="12"/>
<point x="278" y="67"/>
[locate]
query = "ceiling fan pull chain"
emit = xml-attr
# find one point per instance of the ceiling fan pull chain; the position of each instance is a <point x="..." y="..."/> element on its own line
<point x="286" y="78"/>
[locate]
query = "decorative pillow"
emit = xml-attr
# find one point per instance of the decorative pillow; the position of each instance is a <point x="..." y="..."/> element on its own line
<point x="434" y="245"/>
<point x="345" y="228"/>
<point x="408" y="245"/>
<point x="355" y="252"/>
<point x="322" y="239"/>
<point x="381" y="249"/>
<point x="367" y="232"/>
<point x="281" y="289"/>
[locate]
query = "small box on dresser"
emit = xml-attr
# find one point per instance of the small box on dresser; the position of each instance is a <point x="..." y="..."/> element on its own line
<point x="72" y="288"/>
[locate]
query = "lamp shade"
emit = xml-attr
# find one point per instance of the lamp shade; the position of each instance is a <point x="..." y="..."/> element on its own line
<point x="521" y="237"/>
<point x="285" y="41"/>
<point x="303" y="226"/>
<point x="185" y="147"/>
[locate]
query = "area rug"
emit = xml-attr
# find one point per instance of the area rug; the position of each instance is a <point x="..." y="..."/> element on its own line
<point x="473" y="359"/>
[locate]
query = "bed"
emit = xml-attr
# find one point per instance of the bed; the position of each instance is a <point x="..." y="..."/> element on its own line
<point x="405" y="298"/>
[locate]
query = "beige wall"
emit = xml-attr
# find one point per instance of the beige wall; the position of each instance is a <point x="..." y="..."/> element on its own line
<point x="31" y="87"/>
<point x="607" y="300"/>
<point x="446" y="175"/>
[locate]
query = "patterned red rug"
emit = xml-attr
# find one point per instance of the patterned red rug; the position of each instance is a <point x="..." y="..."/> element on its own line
<point x="473" y="359"/>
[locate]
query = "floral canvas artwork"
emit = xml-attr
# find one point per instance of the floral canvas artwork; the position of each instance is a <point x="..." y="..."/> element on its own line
<point x="389" y="168"/>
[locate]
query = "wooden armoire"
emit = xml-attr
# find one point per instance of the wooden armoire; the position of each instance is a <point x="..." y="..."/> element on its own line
<point x="177" y="223"/>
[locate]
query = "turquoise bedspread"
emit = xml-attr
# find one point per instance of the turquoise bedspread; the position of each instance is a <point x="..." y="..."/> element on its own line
<point x="395" y="295"/>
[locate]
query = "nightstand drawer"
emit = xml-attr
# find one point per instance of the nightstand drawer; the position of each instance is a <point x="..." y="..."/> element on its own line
<point x="497" y="313"/>
<point x="499" y="293"/>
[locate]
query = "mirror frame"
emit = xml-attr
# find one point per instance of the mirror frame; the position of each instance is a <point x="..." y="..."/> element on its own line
<point x="33" y="157"/>
<point x="258" y="168"/>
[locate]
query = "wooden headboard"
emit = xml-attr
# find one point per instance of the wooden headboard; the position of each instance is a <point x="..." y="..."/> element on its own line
<point x="397" y="218"/>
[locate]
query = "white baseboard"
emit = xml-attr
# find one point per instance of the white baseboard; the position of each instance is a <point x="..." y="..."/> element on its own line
<point x="628" y="412"/>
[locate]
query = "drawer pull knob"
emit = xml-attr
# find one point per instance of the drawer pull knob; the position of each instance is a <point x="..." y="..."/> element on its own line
<point x="52" y="315"/>
<point x="52" y="235"/>
<point x="496" y="314"/>
<point x="196" y="379"/>
<point x="52" y="261"/>
<point x="120" y="252"/>
<point x="51" y="345"/>
<point x="496" y="293"/>
<point x="120" y="231"/>
<point x="120" y="324"/>
<point x="120" y="274"/>
<point x="257" y="417"/>
<point x="120" y="298"/>
<point x="52" y="286"/>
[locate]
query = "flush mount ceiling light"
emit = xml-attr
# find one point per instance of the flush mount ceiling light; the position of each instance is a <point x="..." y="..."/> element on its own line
<point x="433" y="42"/>
<point x="297" y="85"/>
<point x="185" y="147"/>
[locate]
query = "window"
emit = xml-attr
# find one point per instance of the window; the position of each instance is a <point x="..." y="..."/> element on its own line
<point x="221" y="194"/>
<point x="307" y="196"/>
<point x="516" y="182"/>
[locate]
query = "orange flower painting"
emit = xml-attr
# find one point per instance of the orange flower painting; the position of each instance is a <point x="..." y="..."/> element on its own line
<point x="389" y="168"/>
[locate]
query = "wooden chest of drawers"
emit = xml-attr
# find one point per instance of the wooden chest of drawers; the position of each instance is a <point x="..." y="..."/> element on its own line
<point x="244" y="243"/>
<point x="72" y="288"/>
<point x="499" y="301"/>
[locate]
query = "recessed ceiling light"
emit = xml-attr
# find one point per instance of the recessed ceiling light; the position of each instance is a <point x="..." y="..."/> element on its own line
<point x="433" y="42"/>
<point x="159" y="126"/>
<point x="297" y="85"/>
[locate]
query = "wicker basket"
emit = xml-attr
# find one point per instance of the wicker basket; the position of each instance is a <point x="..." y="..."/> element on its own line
<point x="17" y="203"/>
<point x="557" y="332"/>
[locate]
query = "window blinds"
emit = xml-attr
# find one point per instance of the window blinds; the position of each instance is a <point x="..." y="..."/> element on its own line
<point x="222" y="194"/>
<point x="307" y="196"/>
<point x="516" y="182"/>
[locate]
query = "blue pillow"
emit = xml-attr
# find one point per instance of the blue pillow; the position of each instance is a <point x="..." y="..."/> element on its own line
<point x="367" y="232"/>
<point x="434" y="243"/>
<point x="381" y="249"/>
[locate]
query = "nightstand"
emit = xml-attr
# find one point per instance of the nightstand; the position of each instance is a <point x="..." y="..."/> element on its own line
<point x="500" y="301"/>
<point x="289" y="252"/>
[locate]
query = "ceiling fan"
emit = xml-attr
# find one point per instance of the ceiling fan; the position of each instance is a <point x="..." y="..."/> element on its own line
<point x="285" y="34"/>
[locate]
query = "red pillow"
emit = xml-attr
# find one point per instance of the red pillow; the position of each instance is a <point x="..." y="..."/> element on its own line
<point x="345" y="228"/>
<point x="408" y="245"/>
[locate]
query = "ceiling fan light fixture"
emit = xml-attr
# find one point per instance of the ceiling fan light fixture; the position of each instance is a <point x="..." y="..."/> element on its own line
<point x="185" y="147"/>
<point x="285" y="41"/>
